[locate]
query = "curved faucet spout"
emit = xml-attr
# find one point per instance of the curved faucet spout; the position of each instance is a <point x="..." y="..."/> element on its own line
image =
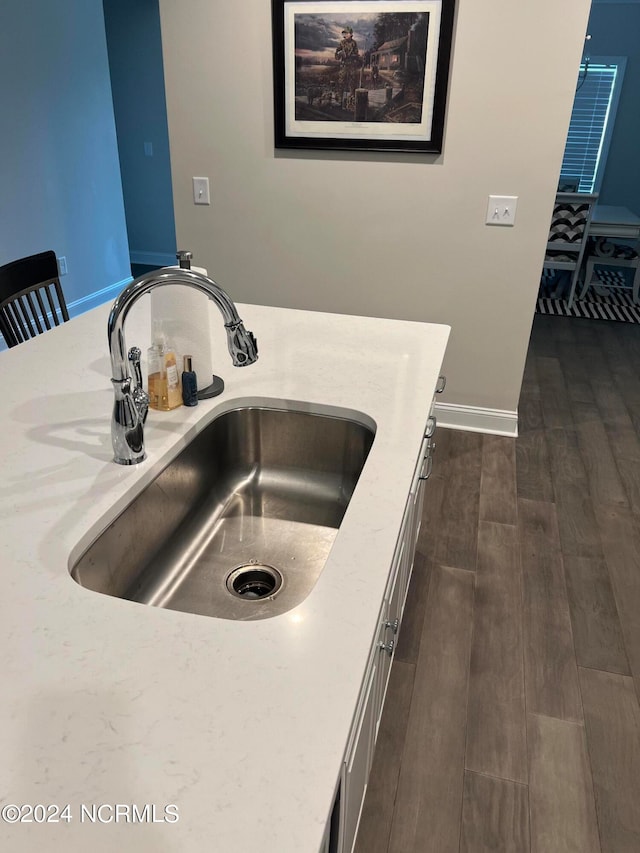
<point x="130" y="408"/>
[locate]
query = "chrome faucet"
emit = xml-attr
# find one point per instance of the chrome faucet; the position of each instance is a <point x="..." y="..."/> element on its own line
<point x="132" y="403"/>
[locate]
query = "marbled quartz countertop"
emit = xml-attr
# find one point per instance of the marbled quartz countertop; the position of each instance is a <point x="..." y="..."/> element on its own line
<point x="240" y="725"/>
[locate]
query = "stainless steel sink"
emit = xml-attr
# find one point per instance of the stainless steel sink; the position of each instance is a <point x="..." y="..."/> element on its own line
<point x="240" y="524"/>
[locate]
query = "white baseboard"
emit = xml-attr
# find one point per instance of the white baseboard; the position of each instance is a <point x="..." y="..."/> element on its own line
<point x="473" y="419"/>
<point x="153" y="259"/>
<point x="92" y="300"/>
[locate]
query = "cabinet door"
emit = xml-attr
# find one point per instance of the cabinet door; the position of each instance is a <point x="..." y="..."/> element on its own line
<point x="355" y="772"/>
<point x="358" y="763"/>
<point x="387" y="635"/>
<point x="417" y="502"/>
<point x="409" y="549"/>
<point x="416" y="496"/>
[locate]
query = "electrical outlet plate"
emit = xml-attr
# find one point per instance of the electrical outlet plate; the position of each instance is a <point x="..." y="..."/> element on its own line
<point x="201" y="191"/>
<point x="62" y="265"/>
<point x="501" y="209"/>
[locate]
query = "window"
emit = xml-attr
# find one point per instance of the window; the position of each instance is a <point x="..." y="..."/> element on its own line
<point x="592" y="120"/>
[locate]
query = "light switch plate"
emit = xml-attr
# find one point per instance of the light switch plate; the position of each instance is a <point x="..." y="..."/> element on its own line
<point x="201" y="191"/>
<point x="501" y="209"/>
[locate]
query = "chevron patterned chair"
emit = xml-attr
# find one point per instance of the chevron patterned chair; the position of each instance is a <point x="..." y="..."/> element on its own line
<point x="609" y="256"/>
<point x="568" y="236"/>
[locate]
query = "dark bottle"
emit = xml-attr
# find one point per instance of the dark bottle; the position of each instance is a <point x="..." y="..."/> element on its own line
<point x="189" y="383"/>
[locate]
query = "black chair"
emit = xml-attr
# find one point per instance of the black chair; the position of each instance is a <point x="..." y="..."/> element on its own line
<point x="31" y="298"/>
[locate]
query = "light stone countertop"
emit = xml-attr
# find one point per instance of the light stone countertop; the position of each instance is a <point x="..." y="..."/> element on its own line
<point x="241" y="725"/>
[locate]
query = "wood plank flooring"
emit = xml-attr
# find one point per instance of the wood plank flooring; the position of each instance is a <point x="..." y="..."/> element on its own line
<point x="512" y="720"/>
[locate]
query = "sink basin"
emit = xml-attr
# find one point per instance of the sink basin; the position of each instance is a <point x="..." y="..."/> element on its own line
<point x="239" y="525"/>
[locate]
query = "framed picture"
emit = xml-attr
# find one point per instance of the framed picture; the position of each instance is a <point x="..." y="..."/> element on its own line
<point x="363" y="75"/>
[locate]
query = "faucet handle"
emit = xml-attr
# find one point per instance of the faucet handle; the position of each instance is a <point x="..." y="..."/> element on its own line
<point x="140" y="396"/>
<point x="135" y="354"/>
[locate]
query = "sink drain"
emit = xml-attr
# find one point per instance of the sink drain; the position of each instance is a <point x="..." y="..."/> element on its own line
<point x="253" y="581"/>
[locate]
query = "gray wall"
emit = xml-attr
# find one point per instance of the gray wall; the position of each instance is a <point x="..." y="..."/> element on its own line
<point x="137" y="81"/>
<point x="615" y="31"/>
<point x="395" y="236"/>
<point x="59" y="171"/>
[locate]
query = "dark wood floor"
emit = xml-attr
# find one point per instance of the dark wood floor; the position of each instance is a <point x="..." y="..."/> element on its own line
<point x="512" y="720"/>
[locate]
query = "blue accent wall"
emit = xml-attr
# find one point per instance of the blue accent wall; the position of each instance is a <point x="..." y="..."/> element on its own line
<point x="60" y="184"/>
<point x="134" y="45"/>
<point x="615" y="31"/>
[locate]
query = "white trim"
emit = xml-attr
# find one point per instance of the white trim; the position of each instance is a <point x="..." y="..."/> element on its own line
<point x="153" y="259"/>
<point x="616" y="2"/>
<point x="92" y="300"/>
<point x="474" y="419"/>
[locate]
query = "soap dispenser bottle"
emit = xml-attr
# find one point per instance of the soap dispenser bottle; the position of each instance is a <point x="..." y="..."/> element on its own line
<point x="164" y="380"/>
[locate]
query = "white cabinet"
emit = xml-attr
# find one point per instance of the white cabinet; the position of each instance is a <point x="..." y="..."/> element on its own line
<point x="390" y="619"/>
<point x="359" y="754"/>
<point x="358" y="763"/>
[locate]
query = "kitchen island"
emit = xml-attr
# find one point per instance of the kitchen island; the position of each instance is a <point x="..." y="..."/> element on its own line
<point x="147" y="729"/>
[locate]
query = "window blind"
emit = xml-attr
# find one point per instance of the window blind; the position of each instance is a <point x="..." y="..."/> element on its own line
<point x="589" y="121"/>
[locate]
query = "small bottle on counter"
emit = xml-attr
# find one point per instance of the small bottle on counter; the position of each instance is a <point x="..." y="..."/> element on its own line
<point x="165" y="393"/>
<point x="189" y="383"/>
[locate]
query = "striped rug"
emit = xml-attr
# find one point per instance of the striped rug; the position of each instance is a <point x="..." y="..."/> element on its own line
<point x="606" y="305"/>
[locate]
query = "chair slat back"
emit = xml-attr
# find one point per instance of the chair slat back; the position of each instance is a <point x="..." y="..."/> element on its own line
<point x="31" y="298"/>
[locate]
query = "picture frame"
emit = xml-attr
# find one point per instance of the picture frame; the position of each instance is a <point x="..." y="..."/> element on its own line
<point x="361" y="75"/>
